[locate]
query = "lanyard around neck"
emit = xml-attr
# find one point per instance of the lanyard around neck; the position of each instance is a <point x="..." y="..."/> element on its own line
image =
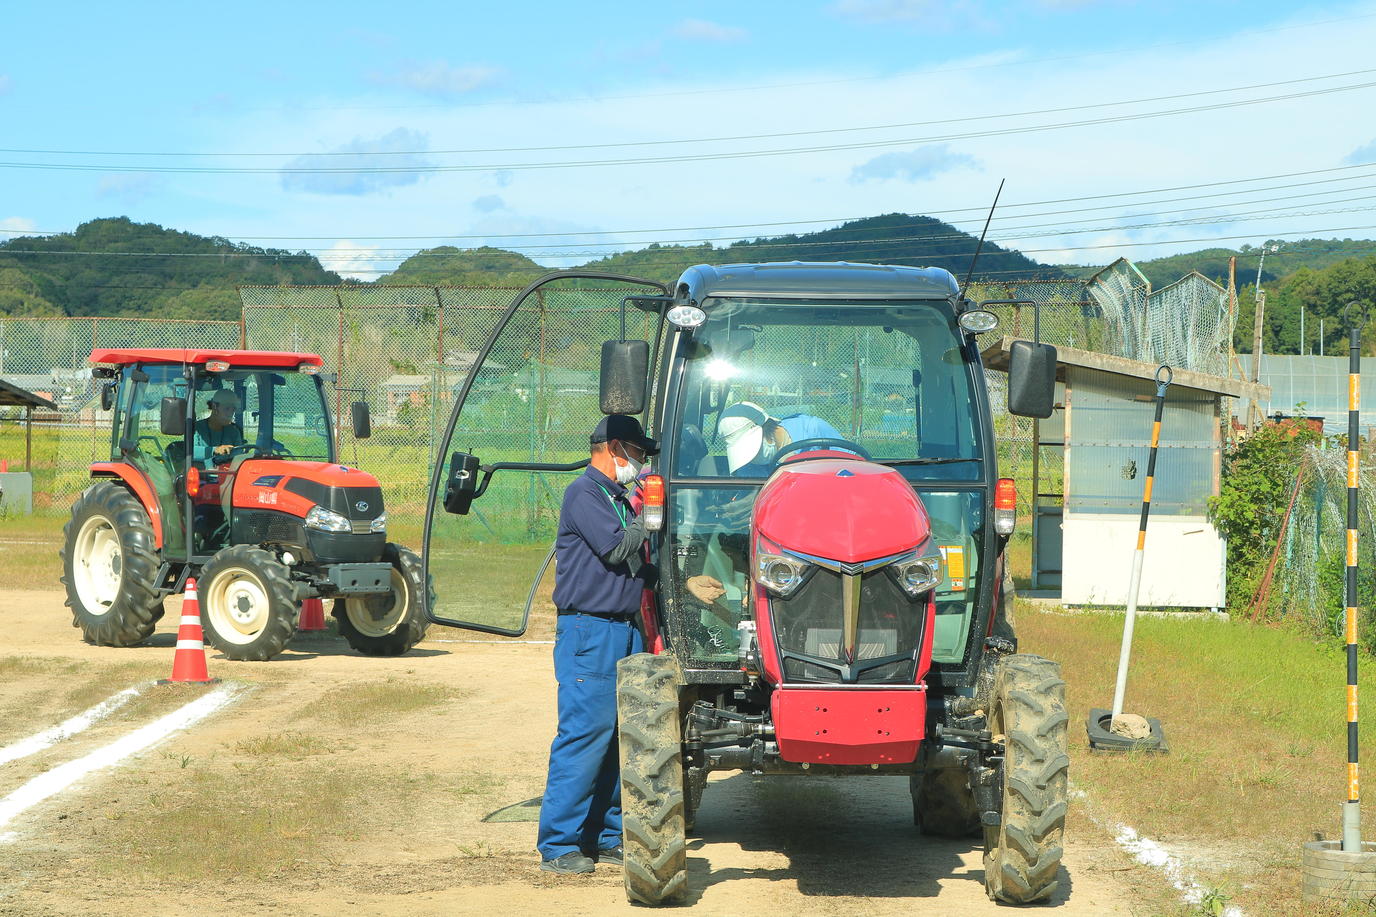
<point x="616" y="507"/>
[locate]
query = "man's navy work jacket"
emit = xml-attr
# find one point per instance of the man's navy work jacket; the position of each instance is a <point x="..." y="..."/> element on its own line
<point x="592" y="521"/>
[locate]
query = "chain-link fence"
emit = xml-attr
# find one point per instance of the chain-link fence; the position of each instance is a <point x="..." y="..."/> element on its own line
<point x="51" y="356"/>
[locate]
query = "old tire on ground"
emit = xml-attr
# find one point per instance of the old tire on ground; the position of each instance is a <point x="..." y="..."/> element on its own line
<point x="110" y="567"/>
<point x="392" y="623"/>
<point x="1022" y="857"/>
<point x="943" y="805"/>
<point x="248" y="605"/>
<point x="652" y="803"/>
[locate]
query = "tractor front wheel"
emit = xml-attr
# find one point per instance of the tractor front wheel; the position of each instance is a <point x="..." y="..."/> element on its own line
<point x="248" y="605"/>
<point x="110" y="567"/>
<point x="1022" y="856"/>
<point x="391" y="623"/>
<point x="652" y="804"/>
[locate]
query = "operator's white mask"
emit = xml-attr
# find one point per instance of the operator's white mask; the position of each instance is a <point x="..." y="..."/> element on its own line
<point x="628" y="472"/>
<point x="768" y="449"/>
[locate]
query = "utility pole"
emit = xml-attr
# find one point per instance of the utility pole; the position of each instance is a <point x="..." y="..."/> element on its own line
<point x="1254" y="415"/>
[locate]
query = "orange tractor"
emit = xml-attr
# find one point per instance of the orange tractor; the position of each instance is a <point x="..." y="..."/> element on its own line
<point x="223" y="467"/>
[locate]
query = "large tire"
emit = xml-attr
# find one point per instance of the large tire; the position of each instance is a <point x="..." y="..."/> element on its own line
<point x="652" y="804"/>
<point x="943" y="804"/>
<point x="110" y="567"/>
<point x="1022" y="856"/>
<point x="392" y="623"/>
<point x="248" y="604"/>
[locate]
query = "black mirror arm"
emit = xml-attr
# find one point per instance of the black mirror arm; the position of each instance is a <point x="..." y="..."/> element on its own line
<point x="489" y="470"/>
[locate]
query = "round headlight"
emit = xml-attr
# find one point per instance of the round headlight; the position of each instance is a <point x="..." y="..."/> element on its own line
<point x="780" y="575"/>
<point x="920" y="576"/>
<point x="978" y="321"/>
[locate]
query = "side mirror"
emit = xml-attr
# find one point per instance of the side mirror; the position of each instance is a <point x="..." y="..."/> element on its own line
<point x="172" y="421"/>
<point x="107" y="396"/>
<point x="463" y="483"/>
<point x="1031" y="379"/>
<point x="363" y="422"/>
<point x="625" y="365"/>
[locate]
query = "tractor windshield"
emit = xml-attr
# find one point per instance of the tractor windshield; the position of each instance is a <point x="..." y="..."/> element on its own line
<point x="259" y="412"/>
<point x="890" y="378"/>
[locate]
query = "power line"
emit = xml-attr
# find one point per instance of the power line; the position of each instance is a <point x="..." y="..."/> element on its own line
<point x="689" y="140"/>
<point x="693" y="157"/>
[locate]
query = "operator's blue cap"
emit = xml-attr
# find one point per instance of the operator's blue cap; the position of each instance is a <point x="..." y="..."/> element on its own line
<point x="625" y="428"/>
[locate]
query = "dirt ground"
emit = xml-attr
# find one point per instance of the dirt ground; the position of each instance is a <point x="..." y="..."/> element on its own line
<point x="385" y="814"/>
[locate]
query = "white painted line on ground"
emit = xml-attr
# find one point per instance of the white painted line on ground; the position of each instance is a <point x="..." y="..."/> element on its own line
<point x="67" y="728"/>
<point x="1150" y="853"/>
<point x="59" y="778"/>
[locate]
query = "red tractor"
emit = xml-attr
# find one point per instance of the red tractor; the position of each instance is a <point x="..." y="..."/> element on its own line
<point x="835" y="604"/>
<point x="223" y="468"/>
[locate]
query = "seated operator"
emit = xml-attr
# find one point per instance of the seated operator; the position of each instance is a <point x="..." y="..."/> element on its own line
<point x="216" y="434"/>
<point x="753" y="437"/>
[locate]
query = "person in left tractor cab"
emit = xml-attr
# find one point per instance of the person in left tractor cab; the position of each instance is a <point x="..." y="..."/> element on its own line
<point x="217" y="434"/>
<point x="600" y="576"/>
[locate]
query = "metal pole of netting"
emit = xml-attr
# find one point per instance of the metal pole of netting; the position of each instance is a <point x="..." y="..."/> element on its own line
<point x="1135" y="583"/>
<point x="1352" y="825"/>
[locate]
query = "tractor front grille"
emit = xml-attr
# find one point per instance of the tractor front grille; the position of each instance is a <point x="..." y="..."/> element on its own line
<point x="809" y="627"/>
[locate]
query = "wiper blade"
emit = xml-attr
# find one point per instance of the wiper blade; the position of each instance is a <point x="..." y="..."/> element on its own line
<point x="926" y="461"/>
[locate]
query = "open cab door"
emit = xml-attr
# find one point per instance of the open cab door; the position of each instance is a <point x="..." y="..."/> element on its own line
<point x="517" y="435"/>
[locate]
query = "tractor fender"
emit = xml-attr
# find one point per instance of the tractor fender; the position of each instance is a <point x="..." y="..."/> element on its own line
<point x="143" y="490"/>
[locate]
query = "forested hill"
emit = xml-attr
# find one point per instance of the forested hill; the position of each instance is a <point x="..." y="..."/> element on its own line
<point x="893" y="238"/>
<point x="1282" y="259"/>
<point x="104" y="268"/>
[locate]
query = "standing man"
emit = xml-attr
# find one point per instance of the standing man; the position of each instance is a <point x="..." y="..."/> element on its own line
<point x="600" y="574"/>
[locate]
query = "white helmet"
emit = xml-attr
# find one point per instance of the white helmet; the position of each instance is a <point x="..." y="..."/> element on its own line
<point x="742" y="427"/>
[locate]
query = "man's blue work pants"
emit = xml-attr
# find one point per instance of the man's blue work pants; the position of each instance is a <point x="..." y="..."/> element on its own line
<point x="582" y="805"/>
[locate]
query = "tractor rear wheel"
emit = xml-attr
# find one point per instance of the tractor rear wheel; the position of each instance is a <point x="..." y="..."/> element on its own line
<point x="1022" y="856"/>
<point x="652" y="804"/>
<point x="248" y="605"/>
<point x="110" y="567"/>
<point x="943" y="804"/>
<point x="391" y="623"/>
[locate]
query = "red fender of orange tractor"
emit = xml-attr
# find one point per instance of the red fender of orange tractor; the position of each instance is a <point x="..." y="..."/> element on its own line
<point x="141" y="488"/>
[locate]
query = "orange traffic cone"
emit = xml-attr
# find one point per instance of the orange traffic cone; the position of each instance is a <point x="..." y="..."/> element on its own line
<point x="188" y="666"/>
<point x="312" y="615"/>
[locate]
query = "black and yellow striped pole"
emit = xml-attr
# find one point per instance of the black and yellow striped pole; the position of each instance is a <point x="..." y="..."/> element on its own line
<point x="1163" y="381"/>
<point x="1352" y="825"/>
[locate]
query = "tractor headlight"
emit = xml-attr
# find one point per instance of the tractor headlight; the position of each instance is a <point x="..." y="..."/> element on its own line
<point x="919" y="571"/>
<point x="379" y="524"/>
<point x="778" y="573"/>
<point x="325" y="520"/>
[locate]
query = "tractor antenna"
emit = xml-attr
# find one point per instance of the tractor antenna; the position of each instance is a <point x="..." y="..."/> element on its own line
<point x="978" y="248"/>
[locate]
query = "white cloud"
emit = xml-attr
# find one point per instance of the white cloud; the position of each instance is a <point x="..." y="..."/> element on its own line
<point x="441" y="79"/>
<point x="913" y="165"/>
<point x="1361" y="155"/>
<point x="358" y="262"/>
<point x="405" y="146"/>
<point x="19" y="225"/>
<point x="702" y="30"/>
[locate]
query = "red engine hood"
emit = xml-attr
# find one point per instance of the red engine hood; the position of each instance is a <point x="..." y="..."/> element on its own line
<point x="841" y="509"/>
<point x="330" y="474"/>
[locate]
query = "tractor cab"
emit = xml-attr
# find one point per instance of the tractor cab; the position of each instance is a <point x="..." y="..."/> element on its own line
<point x="830" y="538"/>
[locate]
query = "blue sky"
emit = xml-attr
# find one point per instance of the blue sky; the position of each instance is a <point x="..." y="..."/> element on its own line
<point x="529" y="125"/>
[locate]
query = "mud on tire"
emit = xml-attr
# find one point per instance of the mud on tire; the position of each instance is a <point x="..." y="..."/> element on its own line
<point x="110" y="567"/>
<point x="248" y="605"/>
<point x="943" y="804"/>
<point x="375" y="625"/>
<point x="1023" y="855"/>
<point x="652" y="803"/>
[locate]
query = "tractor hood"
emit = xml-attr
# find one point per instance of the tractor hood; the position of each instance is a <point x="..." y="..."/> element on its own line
<point x="841" y="509"/>
<point x="294" y="487"/>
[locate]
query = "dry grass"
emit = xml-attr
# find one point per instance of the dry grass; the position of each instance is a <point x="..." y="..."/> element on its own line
<point x="294" y="745"/>
<point x="38" y="692"/>
<point x="1255" y="721"/>
<point x="361" y="705"/>
<point x="28" y="551"/>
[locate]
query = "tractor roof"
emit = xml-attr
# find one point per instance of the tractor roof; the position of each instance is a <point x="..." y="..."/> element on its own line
<point x="822" y="280"/>
<point x="273" y="358"/>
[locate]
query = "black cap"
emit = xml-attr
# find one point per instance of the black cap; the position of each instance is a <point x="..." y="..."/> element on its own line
<point x="625" y="428"/>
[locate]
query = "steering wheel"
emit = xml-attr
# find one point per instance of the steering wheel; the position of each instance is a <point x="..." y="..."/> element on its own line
<point x="820" y="442"/>
<point x="221" y="459"/>
<point x="274" y="449"/>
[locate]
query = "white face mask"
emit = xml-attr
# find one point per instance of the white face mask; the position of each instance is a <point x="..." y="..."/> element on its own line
<point x="768" y="449"/>
<point x="628" y="472"/>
